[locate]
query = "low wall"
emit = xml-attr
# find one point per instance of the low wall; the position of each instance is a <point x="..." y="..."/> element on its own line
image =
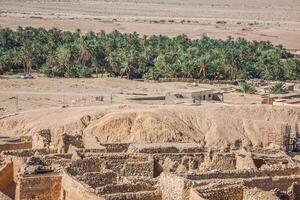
<point x="6" y="175"/>
<point x="74" y="190"/>
<point x="145" y="169"/>
<point x="269" y="183"/>
<point x="96" y="179"/>
<point x="233" y="192"/>
<point x="194" y="195"/>
<point x="230" y="174"/>
<point x="116" y="148"/>
<point x="14" y="146"/>
<point x="191" y="80"/>
<point x="42" y="187"/>
<point x="125" y="188"/>
<point x="173" y="187"/>
<point x="4" y="197"/>
<point x="145" y="195"/>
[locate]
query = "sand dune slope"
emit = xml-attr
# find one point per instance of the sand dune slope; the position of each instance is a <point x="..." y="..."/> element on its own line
<point x="214" y="125"/>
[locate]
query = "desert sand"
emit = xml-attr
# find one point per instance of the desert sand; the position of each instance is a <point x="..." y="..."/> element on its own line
<point x="69" y="106"/>
<point x="274" y="20"/>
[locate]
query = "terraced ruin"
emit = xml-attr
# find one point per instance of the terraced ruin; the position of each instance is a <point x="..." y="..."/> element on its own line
<point x="168" y="171"/>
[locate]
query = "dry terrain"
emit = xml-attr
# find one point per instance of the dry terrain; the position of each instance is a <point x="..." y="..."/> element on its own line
<point x="70" y="105"/>
<point x="274" y="20"/>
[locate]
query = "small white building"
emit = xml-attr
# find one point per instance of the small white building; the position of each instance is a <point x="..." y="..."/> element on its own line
<point x="195" y="95"/>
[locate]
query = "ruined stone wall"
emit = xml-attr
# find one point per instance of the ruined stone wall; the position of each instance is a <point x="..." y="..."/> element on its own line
<point x="233" y="192"/>
<point x="177" y="162"/>
<point x="194" y="195"/>
<point x="144" y="195"/>
<point x="90" y="164"/>
<point x="124" y="188"/>
<point x="145" y="169"/>
<point x="41" y="187"/>
<point x="173" y="187"/>
<point x="74" y="190"/>
<point x="96" y="179"/>
<point x="4" y="197"/>
<point x="14" y="146"/>
<point x="6" y="175"/>
<point x="220" y="161"/>
<point x="116" y="148"/>
<point x="269" y="183"/>
<point x="230" y="174"/>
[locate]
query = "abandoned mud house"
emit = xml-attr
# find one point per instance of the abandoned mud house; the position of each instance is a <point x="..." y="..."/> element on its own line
<point x="159" y="171"/>
<point x="194" y="96"/>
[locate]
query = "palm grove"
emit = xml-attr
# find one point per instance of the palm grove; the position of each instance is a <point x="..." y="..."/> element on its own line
<point x="72" y="54"/>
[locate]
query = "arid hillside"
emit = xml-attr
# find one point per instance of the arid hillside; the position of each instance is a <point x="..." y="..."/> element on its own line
<point x="274" y="20"/>
<point x="215" y="125"/>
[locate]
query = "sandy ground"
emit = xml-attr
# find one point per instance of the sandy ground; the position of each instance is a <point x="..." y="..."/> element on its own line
<point x="70" y="106"/>
<point x="42" y="92"/>
<point x="274" y="20"/>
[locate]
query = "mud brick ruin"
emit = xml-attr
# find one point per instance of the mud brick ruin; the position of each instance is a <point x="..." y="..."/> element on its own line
<point x="160" y="171"/>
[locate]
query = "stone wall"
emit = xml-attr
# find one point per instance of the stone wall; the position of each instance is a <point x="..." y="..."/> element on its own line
<point x="194" y="195"/>
<point x="6" y="175"/>
<point x="14" y="146"/>
<point x="230" y="192"/>
<point x="144" y="195"/>
<point x="116" y="148"/>
<point x="247" y="173"/>
<point x="173" y="187"/>
<point x="125" y="188"/>
<point x="4" y="197"/>
<point x="96" y="179"/>
<point x="177" y="162"/>
<point x="269" y="183"/>
<point x="74" y="190"/>
<point x="41" y="187"/>
<point x="144" y="169"/>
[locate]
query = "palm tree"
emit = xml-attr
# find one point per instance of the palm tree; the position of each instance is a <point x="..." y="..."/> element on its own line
<point x="246" y="88"/>
<point x="278" y="88"/>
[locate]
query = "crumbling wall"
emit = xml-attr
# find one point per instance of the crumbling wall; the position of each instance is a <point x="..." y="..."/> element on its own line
<point x="220" y="161"/>
<point x="245" y="161"/>
<point x="246" y="173"/>
<point x="96" y="179"/>
<point x="172" y="147"/>
<point x="6" y="175"/>
<point x="173" y="187"/>
<point x="42" y="187"/>
<point x="90" y="164"/>
<point x="177" y="162"/>
<point x="144" y="195"/>
<point x="15" y="145"/>
<point x="125" y="188"/>
<point x="255" y="193"/>
<point x="144" y="169"/>
<point x="4" y="197"/>
<point x="74" y="190"/>
<point x="41" y="139"/>
<point x="269" y="183"/>
<point x="116" y="148"/>
<point x="229" y="192"/>
<point x="71" y="140"/>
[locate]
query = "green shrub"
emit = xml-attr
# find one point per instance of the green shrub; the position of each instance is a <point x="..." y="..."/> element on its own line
<point x="278" y="88"/>
<point x="246" y="88"/>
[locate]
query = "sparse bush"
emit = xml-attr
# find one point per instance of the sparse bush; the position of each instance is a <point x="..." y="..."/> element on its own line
<point x="278" y="88"/>
<point x="246" y="88"/>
